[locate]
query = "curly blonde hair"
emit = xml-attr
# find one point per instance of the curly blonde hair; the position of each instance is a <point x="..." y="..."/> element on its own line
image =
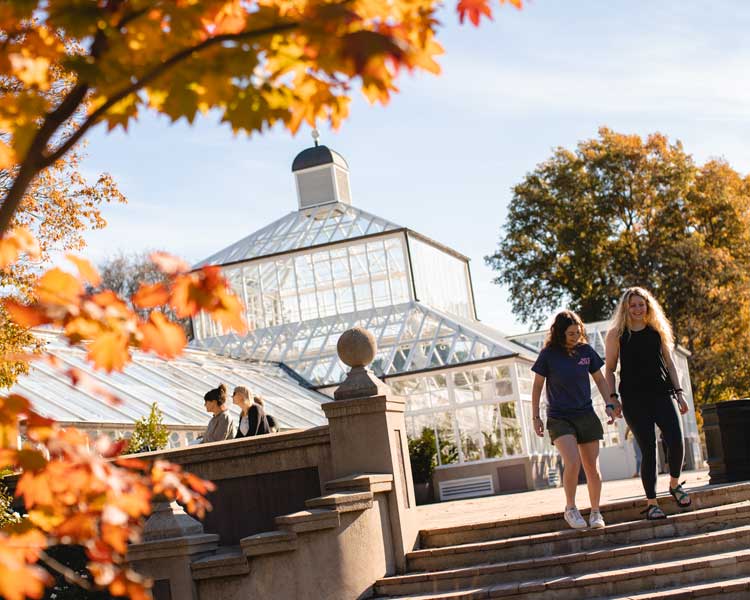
<point x="654" y="316"/>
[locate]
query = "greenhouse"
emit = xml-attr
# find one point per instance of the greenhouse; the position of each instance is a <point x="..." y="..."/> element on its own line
<point x="329" y="266"/>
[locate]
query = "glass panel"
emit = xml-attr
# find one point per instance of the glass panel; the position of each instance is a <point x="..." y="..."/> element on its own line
<point x="441" y="279"/>
<point x="511" y="429"/>
<point x="397" y="271"/>
<point x="288" y="290"/>
<point x="447" y="450"/>
<point x="471" y="438"/>
<point x="253" y="297"/>
<point x="361" y="277"/>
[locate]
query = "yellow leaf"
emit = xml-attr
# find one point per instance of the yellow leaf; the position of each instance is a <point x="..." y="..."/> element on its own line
<point x="31" y="71"/>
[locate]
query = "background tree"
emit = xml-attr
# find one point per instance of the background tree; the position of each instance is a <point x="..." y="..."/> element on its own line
<point x="58" y="207"/>
<point x="124" y="274"/>
<point x="622" y="211"/>
<point x="149" y="433"/>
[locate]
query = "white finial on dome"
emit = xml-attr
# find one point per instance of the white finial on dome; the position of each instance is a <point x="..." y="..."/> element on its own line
<point x="315" y="135"/>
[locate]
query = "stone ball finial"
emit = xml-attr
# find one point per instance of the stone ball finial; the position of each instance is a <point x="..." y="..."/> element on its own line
<point x="357" y="347"/>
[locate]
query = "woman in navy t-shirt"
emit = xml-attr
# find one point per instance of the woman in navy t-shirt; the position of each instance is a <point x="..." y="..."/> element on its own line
<point x="565" y="363"/>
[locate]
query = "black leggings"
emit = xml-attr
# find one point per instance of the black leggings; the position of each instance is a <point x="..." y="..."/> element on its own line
<point x="642" y="412"/>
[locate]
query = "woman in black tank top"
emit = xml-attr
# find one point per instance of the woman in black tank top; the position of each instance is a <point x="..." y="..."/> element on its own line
<point x="641" y="339"/>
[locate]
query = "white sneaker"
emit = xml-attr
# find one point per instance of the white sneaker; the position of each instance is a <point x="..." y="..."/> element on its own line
<point x="596" y="521"/>
<point x="574" y="518"/>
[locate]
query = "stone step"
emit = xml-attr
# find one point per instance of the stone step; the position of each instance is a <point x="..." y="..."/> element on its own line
<point x="596" y="562"/>
<point x="736" y="588"/>
<point x="613" y="583"/>
<point x="571" y="541"/>
<point x="616" y="512"/>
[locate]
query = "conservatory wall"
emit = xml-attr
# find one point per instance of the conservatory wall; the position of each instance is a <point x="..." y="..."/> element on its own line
<point x="477" y="417"/>
<point x="314" y="284"/>
<point x="441" y="280"/>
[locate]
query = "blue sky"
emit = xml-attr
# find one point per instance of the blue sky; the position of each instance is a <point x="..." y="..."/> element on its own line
<point x="442" y="156"/>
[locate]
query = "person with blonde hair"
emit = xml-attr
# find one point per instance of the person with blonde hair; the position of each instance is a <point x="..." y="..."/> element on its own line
<point x="564" y="365"/>
<point x="253" y="419"/>
<point x="640" y="337"/>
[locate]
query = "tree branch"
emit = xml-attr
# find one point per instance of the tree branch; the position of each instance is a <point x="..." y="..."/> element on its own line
<point x="34" y="160"/>
<point x="137" y="85"/>
<point x="70" y="575"/>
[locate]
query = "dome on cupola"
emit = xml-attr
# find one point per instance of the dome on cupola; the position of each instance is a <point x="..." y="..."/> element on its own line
<point x="317" y="156"/>
<point x="321" y="175"/>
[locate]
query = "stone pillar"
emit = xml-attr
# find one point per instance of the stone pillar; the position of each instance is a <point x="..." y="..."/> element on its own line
<point x="726" y="426"/>
<point x="368" y="436"/>
<point x="172" y="540"/>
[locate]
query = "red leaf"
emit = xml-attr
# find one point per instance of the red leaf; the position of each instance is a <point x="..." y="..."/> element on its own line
<point x="474" y="9"/>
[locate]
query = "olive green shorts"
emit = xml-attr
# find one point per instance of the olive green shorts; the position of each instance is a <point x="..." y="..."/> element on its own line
<point x="585" y="427"/>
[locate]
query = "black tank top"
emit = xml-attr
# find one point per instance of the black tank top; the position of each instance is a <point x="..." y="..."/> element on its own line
<point x="642" y="365"/>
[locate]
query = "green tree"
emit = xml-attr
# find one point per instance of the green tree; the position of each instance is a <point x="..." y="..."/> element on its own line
<point x="620" y="211"/>
<point x="149" y="433"/>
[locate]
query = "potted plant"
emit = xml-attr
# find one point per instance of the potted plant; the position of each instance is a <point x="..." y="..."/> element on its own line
<point x="422" y="455"/>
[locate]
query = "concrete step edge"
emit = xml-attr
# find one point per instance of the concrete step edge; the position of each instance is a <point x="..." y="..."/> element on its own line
<point x="519" y="589"/>
<point x="565" y="534"/>
<point x="734" y="584"/>
<point x="611" y="507"/>
<point x="614" y="551"/>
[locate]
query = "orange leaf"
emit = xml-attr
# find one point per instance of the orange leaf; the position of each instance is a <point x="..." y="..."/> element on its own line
<point x="15" y="242"/>
<point x="35" y="489"/>
<point x="109" y="351"/>
<point x="169" y="264"/>
<point x="86" y="269"/>
<point x="58" y="287"/>
<point x="162" y="336"/>
<point x="150" y="295"/>
<point x="25" y="315"/>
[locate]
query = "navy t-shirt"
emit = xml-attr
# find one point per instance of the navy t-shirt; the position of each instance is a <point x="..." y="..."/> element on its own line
<point x="568" y="384"/>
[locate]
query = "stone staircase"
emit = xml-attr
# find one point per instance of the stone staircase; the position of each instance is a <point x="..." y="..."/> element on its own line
<point x="700" y="552"/>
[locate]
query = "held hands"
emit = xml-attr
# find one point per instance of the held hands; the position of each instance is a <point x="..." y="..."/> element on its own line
<point x="538" y="426"/>
<point x="681" y="404"/>
<point x="614" y="410"/>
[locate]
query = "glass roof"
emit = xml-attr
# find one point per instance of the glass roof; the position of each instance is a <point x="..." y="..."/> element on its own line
<point x="410" y="336"/>
<point x="177" y="386"/>
<point x="302" y="229"/>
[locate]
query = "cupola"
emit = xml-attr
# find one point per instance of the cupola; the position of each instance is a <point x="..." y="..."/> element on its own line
<point x="321" y="175"/>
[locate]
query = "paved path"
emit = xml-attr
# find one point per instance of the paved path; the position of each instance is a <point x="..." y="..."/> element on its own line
<point x="522" y="504"/>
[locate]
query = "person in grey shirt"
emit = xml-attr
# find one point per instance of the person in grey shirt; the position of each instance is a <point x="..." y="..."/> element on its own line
<point x="220" y="427"/>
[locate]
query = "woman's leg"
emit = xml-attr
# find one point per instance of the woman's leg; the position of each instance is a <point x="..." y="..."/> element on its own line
<point x="669" y="423"/>
<point x="567" y="446"/>
<point x="589" y="457"/>
<point x="641" y="423"/>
